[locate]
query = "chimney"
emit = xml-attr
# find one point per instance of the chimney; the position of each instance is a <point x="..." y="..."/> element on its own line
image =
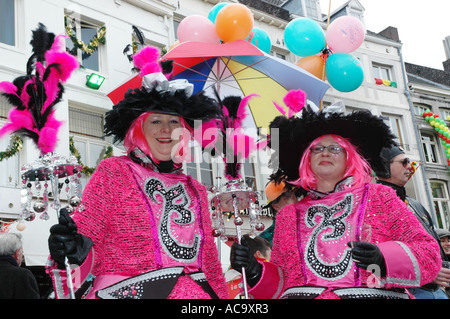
<point x="446" y="65"/>
<point x="391" y="33"/>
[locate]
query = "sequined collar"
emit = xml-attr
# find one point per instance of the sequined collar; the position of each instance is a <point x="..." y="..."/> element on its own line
<point x="340" y="186"/>
<point x="143" y="159"/>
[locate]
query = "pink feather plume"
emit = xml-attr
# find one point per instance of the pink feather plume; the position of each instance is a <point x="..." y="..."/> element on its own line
<point x="242" y="113"/>
<point x="24" y="96"/>
<point x="8" y="88"/>
<point x="59" y="44"/>
<point x="295" y="100"/>
<point x="242" y="143"/>
<point x="17" y="120"/>
<point x="279" y="108"/>
<point x="48" y="136"/>
<point x="146" y="60"/>
<point x="67" y="63"/>
<point x="37" y="121"/>
<point x="207" y="134"/>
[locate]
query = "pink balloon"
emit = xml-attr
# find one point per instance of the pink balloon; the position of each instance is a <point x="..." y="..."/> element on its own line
<point x="345" y="34"/>
<point x="197" y="28"/>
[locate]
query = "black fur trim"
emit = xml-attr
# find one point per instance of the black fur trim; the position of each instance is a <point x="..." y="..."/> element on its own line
<point x="136" y="102"/>
<point x="291" y="136"/>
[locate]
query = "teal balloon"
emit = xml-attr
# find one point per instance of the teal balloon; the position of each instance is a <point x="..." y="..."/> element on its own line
<point x="344" y="72"/>
<point x="215" y="10"/>
<point x="261" y="40"/>
<point x="304" y="37"/>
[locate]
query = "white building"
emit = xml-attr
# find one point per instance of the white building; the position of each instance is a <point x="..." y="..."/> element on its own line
<point x="83" y="108"/>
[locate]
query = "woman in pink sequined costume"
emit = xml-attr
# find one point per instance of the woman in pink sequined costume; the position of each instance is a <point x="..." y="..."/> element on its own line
<point x="148" y="223"/>
<point x="347" y="238"/>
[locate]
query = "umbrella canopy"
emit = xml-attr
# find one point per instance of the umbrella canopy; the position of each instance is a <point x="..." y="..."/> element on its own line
<point x="239" y="68"/>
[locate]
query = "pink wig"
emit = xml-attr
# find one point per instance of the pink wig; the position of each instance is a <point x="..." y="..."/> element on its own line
<point x="357" y="166"/>
<point x="135" y="138"/>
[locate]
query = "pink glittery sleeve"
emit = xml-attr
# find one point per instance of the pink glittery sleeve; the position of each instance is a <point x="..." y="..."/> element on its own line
<point x="271" y="284"/>
<point x="411" y="254"/>
<point x="80" y="275"/>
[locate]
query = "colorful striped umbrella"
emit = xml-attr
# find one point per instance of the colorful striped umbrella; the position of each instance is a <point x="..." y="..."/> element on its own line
<point x="239" y="68"/>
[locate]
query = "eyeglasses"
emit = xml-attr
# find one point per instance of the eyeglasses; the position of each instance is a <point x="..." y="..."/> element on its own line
<point x="404" y="162"/>
<point x="334" y="149"/>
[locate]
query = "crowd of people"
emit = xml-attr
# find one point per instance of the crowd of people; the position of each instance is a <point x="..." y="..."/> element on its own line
<point x="146" y="231"/>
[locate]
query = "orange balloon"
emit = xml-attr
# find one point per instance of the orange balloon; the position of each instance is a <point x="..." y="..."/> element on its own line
<point x="234" y="22"/>
<point x="175" y="44"/>
<point x="313" y="64"/>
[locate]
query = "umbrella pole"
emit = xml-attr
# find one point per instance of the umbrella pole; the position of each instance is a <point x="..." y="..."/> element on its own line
<point x="218" y="80"/>
<point x="323" y="68"/>
<point x="329" y="14"/>
<point x="239" y="237"/>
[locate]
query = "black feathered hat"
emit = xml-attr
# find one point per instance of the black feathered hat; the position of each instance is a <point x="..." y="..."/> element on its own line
<point x="160" y="96"/>
<point x="289" y="137"/>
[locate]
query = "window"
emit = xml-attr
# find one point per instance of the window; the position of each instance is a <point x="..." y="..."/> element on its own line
<point x="206" y="173"/>
<point x="191" y="169"/>
<point x="85" y="32"/>
<point x="311" y="9"/>
<point x="441" y="203"/>
<point x="429" y="148"/>
<point x="87" y="130"/>
<point x="445" y="113"/>
<point x="9" y="168"/>
<point x="4" y="108"/>
<point x="351" y="109"/>
<point x="176" y="24"/>
<point x="420" y="108"/>
<point x="280" y="55"/>
<point x="86" y="123"/>
<point x="8" y="22"/>
<point x="395" y="123"/>
<point x="201" y="167"/>
<point x="382" y="72"/>
<point x="249" y="174"/>
<point x="91" y="153"/>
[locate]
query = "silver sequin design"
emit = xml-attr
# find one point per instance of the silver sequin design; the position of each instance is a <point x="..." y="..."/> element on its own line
<point x="332" y="217"/>
<point x="174" y="201"/>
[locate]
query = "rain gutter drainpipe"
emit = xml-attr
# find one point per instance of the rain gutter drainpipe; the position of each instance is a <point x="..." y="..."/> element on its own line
<point x="416" y="132"/>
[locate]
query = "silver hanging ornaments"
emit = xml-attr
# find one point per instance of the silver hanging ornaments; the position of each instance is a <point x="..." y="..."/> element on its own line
<point x="235" y="196"/>
<point x="47" y="171"/>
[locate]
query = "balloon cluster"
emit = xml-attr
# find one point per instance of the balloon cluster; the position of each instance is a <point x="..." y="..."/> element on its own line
<point x="226" y="22"/>
<point x="441" y="128"/>
<point x="304" y="37"/>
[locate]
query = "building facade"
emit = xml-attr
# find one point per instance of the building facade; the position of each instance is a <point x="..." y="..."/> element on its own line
<point x="83" y="108"/>
<point x="430" y="91"/>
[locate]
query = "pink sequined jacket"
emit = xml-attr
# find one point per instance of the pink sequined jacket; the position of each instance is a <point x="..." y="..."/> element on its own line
<point x="311" y="259"/>
<point x="139" y="221"/>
